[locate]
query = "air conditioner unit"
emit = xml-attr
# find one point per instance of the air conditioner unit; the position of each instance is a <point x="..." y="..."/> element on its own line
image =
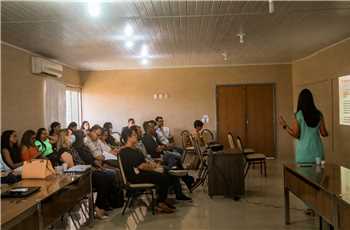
<point x="43" y="66"/>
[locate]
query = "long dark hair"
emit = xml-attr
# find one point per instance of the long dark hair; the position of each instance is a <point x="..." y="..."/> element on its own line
<point x="27" y="140"/>
<point x="5" y="140"/>
<point x="312" y="115"/>
<point x="83" y="124"/>
<point x="53" y="126"/>
<point x="79" y="139"/>
<point x="38" y="134"/>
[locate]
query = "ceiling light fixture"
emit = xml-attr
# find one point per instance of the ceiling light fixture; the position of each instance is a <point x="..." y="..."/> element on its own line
<point x="241" y="37"/>
<point x="144" y="61"/>
<point x="94" y="8"/>
<point x="128" y="30"/>
<point x="144" y="51"/>
<point x="129" y="44"/>
<point x="271" y="7"/>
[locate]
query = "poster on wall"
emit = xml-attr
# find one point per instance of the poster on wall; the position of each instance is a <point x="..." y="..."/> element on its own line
<point x="344" y="100"/>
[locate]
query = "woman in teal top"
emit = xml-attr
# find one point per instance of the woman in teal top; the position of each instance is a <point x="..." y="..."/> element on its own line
<point x="43" y="143"/>
<point x="307" y="127"/>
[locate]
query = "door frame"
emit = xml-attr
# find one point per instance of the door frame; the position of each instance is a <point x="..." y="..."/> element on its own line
<point x="273" y="84"/>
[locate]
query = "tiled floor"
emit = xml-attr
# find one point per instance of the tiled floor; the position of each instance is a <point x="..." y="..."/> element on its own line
<point x="262" y="208"/>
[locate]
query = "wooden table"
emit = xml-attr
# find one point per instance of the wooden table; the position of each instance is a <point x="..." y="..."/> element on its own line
<point x="226" y="173"/>
<point x="325" y="189"/>
<point x="58" y="194"/>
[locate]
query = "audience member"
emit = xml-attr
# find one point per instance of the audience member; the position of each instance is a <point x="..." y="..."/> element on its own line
<point x="163" y="132"/>
<point x="9" y="149"/>
<point x="55" y="128"/>
<point x="85" y="126"/>
<point x="196" y="133"/>
<point x="28" y="149"/>
<point x="73" y="126"/>
<point x="138" y="170"/>
<point x="103" y="181"/>
<point x="131" y="122"/>
<point x="64" y="152"/>
<point x="104" y="145"/>
<point x="42" y="142"/>
<point x="92" y="141"/>
<point x="110" y="139"/>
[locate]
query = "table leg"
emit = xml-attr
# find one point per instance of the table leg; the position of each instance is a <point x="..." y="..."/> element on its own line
<point x="91" y="203"/>
<point x="286" y="206"/>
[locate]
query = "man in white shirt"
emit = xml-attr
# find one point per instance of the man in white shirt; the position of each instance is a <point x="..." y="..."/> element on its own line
<point x="163" y="132"/>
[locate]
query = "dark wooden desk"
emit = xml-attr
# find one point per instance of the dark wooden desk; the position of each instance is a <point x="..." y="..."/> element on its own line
<point x="324" y="189"/>
<point x="57" y="195"/>
<point x="226" y="173"/>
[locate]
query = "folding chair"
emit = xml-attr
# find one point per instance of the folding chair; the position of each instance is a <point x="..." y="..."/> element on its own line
<point x="133" y="191"/>
<point x="203" y="167"/>
<point x="252" y="158"/>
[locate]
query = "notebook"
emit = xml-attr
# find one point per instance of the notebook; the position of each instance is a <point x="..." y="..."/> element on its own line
<point x="18" y="192"/>
<point x="77" y="169"/>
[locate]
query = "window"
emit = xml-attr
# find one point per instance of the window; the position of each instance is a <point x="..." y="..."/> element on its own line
<point x="73" y="105"/>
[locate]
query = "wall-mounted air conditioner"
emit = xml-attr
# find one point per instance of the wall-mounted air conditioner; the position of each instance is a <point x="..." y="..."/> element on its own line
<point x="43" y="66"/>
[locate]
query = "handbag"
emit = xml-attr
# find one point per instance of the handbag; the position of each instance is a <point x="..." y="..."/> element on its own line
<point x="37" y="169"/>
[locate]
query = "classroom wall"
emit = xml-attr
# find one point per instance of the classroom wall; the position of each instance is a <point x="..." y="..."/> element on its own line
<point x="22" y="92"/>
<point x="119" y="94"/>
<point x="320" y="73"/>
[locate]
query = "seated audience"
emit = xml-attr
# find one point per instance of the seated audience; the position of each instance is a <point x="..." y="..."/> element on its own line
<point x="42" y="142"/>
<point x="85" y="126"/>
<point x="104" y="144"/>
<point x="103" y="181"/>
<point x="92" y="141"/>
<point x="171" y="158"/>
<point x="140" y="146"/>
<point x="64" y="152"/>
<point x="55" y="128"/>
<point x="131" y="122"/>
<point x="73" y="126"/>
<point x="3" y="166"/>
<point x="110" y="139"/>
<point x="196" y="133"/>
<point x="163" y="133"/>
<point x="9" y="149"/>
<point x="28" y="149"/>
<point x="138" y="170"/>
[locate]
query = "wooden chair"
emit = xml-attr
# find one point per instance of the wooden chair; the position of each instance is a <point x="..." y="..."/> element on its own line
<point x="231" y="141"/>
<point x="252" y="158"/>
<point x="133" y="191"/>
<point x="207" y="136"/>
<point x="186" y="143"/>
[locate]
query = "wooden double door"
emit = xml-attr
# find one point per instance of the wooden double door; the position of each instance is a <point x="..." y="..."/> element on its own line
<point x="247" y="111"/>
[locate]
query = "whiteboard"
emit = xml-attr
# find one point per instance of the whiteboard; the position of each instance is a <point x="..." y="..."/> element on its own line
<point x="344" y="100"/>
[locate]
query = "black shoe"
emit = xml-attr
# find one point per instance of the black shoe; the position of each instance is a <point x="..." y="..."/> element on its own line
<point x="183" y="197"/>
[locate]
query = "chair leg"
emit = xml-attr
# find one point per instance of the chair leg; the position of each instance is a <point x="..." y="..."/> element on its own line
<point x="246" y="171"/>
<point x="265" y="168"/>
<point x="261" y="167"/>
<point x="126" y="204"/>
<point x="153" y="202"/>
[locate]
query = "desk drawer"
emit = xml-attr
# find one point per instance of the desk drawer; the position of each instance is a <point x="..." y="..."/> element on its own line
<point x="301" y="188"/>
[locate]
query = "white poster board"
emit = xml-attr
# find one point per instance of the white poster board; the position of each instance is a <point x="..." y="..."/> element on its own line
<point x="344" y="100"/>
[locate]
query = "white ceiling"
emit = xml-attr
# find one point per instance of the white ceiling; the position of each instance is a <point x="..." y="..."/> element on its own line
<point x="178" y="33"/>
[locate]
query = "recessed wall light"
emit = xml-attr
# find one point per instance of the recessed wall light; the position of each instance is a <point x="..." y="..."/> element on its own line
<point x="94" y="8"/>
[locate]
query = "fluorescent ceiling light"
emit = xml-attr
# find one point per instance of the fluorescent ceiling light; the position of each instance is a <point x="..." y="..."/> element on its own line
<point x="129" y="44"/>
<point x="144" y="51"/>
<point x="144" y="61"/>
<point x="94" y="8"/>
<point x="128" y="30"/>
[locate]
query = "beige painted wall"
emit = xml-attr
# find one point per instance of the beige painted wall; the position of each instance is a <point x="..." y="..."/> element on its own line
<point x="22" y="92"/>
<point x="117" y="95"/>
<point x="320" y="73"/>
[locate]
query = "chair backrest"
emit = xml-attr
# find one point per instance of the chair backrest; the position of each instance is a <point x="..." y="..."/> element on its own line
<point x="230" y="140"/>
<point x="207" y="136"/>
<point x="185" y="137"/>
<point x="197" y="147"/>
<point x="125" y="182"/>
<point x="240" y="144"/>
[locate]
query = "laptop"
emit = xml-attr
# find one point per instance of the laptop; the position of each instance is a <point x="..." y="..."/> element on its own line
<point x="18" y="192"/>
